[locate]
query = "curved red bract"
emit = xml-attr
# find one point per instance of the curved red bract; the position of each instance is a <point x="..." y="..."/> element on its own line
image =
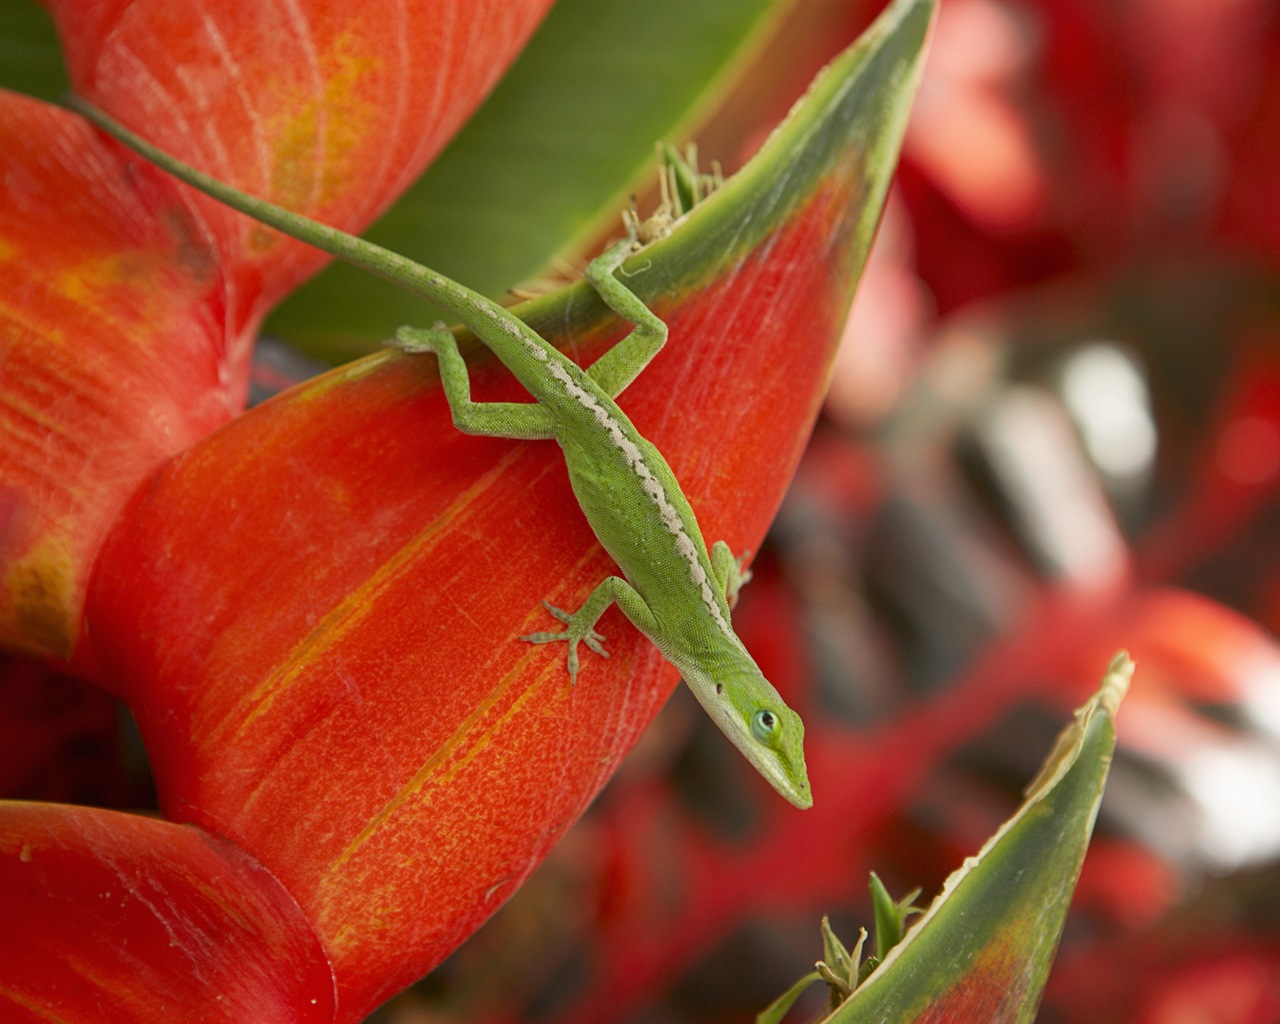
<point x="113" y="356"/>
<point x="329" y="109"/>
<point x="117" y="917"/>
<point x="357" y="689"/>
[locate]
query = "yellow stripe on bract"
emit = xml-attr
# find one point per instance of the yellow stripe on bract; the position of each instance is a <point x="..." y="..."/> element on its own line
<point x="16" y="326"/>
<point x="456" y="741"/>
<point x="322" y="138"/>
<point x="320" y="385"/>
<point x="336" y="902"/>
<point x="28" y="422"/>
<point x="41" y="591"/>
<point x="361" y="603"/>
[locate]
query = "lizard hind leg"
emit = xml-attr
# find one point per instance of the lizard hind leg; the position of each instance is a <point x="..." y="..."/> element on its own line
<point x="526" y="421"/>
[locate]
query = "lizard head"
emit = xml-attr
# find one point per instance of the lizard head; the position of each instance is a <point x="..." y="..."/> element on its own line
<point x="748" y="710"/>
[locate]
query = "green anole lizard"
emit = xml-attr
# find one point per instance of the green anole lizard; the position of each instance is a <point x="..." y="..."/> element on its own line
<point x="675" y="591"/>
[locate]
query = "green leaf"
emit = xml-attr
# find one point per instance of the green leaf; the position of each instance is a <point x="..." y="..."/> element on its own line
<point x="837" y="958"/>
<point x="775" y="1011"/>
<point x="545" y="164"/>
<point x="30" y="57"/>
<point x="890" y="916"/>
<point x="983" y="949"/>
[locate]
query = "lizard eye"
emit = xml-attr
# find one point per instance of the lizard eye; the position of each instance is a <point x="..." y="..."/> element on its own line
<point x="765" y="725"/>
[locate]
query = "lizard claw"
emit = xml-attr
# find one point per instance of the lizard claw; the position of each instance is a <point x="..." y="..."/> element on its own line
<point x="574" y="635"/>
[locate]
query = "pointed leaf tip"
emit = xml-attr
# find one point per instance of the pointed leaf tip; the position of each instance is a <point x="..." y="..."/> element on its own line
<point x="982" y="951"/>
<point x="1115" y="684"/>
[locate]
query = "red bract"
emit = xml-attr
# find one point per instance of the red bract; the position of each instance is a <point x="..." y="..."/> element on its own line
<point x="114" y="356"/>
<point x="329" y="109"/>
<point x="112" y="917"/>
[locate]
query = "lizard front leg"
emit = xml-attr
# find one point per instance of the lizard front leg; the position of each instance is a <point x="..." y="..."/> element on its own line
<point x="612" y="590"/>
<point x="525" y="421"/>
